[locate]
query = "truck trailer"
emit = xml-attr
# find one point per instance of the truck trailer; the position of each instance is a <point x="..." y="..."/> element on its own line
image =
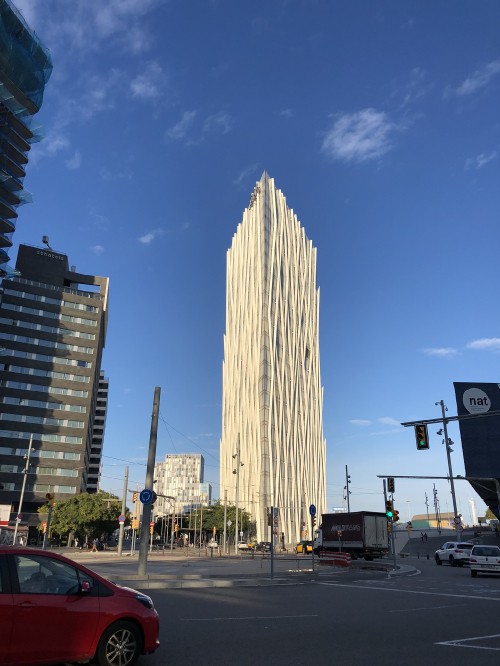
<point x="359" y="533"/>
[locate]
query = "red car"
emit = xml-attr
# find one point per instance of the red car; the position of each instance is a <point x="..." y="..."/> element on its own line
<point x="53" y="610"/>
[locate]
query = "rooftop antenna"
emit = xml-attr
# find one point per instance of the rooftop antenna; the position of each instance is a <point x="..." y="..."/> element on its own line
<point x="45" y="241"/>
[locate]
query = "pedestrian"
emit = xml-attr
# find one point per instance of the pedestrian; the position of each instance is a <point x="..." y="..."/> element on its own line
<point x="21" y="541"/>
<point x="76" y="542"/>
<point x="422" y="536"/>
<point x="94" y="545"/>
<point x="425" y="536"/>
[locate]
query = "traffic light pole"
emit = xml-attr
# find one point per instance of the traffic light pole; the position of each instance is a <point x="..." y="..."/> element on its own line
<point x="389" y="505"/>
<point x="452" y="485"/>
<point x="124" y="508"/>
<point x="146" y="512"/>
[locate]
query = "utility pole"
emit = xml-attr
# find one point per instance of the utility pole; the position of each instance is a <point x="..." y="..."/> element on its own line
<point x="436" y="509"/>
<point x="237" y="472"/>
<point x="447" y="442"/>
<point x="347" y="491"/>
<point x="225" y="520"/>
<point x="124" y="508"/>
<point x="20" y="506"/>
<point x="427" y="509"/>
<point x="146" y="512"/>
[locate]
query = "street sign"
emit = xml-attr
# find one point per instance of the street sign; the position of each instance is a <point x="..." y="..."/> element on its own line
<point x="146" y="496"/>
<point x="457" y="520"/>
<point x="121" y="519"/>
<point x="229" y="523"/>
<point x="312" y="510"/>
<point x="151" y="524"/>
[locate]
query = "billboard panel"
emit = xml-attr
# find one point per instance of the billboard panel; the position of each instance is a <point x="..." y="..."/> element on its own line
<point x="480" y="436"/>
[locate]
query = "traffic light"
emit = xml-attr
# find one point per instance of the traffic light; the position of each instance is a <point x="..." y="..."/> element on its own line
<point x="390" y="484"/>
<point x="313" y="521"/>
<point x="421" y="437"/>
<point x="134" y="497"/>
<point x="50" y="499"/>
<point x="389" y="509"/>
<point x="395" y="516"/>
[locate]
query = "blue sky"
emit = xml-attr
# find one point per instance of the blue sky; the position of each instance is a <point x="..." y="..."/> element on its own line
<point x="378" y="120"/>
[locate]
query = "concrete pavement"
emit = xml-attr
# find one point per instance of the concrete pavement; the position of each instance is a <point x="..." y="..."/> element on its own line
<point x="197" y="569"/>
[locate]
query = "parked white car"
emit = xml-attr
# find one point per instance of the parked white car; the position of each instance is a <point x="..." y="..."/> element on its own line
<point x="456" y="553"/>
<point x="485" y="559"/>
<point x="242" y="545"/>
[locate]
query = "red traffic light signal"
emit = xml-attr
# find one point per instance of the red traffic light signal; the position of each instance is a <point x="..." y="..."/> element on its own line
<point x="395" y="516"/>
<point x="421" y="437"/>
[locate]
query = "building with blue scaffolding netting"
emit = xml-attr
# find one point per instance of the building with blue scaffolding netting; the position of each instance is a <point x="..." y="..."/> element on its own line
<point x="25" y="68"/>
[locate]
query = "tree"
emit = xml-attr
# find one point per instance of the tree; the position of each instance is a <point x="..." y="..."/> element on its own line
<point x="213" y="516"/>
<point x="89" y="514"/>
<point x="489" y="514"/>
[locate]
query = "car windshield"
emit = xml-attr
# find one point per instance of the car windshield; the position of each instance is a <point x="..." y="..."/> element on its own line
<point x="492" y="551"/>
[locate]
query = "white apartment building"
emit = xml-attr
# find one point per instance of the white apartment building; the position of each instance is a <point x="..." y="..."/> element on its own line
<point x="180" y="477"/>
<point x="272" y="400"/>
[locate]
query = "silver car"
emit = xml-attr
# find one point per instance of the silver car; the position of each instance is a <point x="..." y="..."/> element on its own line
<point x="485" y="559"/>
<point x="455" y="553"/>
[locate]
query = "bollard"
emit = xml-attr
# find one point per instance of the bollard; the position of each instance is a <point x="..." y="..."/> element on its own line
<point x="418" y="555"/>
<point x="427" y="555"/>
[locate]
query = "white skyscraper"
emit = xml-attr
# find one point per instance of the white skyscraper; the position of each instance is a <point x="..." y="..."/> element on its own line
<point x="180" y="477"/>
<point x="272" y="396"/>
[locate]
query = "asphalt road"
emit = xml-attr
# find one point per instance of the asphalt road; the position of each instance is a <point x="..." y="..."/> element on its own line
<point x="439" y="615"/>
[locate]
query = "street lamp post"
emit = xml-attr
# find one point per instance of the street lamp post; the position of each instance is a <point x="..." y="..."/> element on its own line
<point x="19" y="508"/>
<point x="448" y="443"/>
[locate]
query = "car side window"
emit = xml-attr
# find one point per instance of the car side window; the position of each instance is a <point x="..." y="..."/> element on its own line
<point x="43" y="575"/>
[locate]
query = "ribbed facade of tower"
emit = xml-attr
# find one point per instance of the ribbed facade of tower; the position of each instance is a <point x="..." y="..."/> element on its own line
<point x="272" y="396"/>
<point x="25" y="67"/>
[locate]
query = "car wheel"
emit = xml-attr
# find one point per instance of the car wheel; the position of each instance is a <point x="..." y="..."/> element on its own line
<point x="438" y="561"/>
<point x="120" y="645"/>
<point x="453" y="562"/>
<point x="473" y="574"/>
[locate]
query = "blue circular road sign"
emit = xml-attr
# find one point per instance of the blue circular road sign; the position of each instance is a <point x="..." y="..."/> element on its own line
<point x="312" y="510"/>
<point x="146" y="496"/>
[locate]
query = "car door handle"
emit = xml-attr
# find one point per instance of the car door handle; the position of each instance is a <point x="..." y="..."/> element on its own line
<point x="25" y="604"/>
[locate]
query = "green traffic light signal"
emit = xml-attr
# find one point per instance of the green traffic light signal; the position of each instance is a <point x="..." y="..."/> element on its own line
<point x="421" y="437"/>
<point x="389" y="510"/>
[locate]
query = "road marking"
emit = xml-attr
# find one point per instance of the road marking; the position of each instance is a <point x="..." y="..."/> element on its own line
<point x="250" y="617"/>
<point x="460" y="642"/>
<point x="393" y="589"/>
<point x="424" y="608"/>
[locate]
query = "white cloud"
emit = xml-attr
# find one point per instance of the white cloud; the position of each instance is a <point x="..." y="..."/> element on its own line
<point x="150" y="236"/>
<point x="388" y="420"/>
<point x="75" y="161"/>
<point x="147" y="85"/>
<point x="84" y="25"/>
<point x="479" y="79"/>
<point x="245" y="174"/>
<point x="218" y="122"/>
<point x="180" y="129"/>
<point x="360" y="422"/>
<point x="488" y="344"/>
<point x="443" y="352"/>
<point x="97" y="249"/>
<point x="286" y="113"/>
<point x="480" y="160"/>
<point x="360" y="136"/>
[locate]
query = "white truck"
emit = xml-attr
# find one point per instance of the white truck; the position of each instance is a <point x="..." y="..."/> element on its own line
<point x="359" y="533"/>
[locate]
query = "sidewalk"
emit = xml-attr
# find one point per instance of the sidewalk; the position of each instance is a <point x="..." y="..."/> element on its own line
<point x="176" y="570"/>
